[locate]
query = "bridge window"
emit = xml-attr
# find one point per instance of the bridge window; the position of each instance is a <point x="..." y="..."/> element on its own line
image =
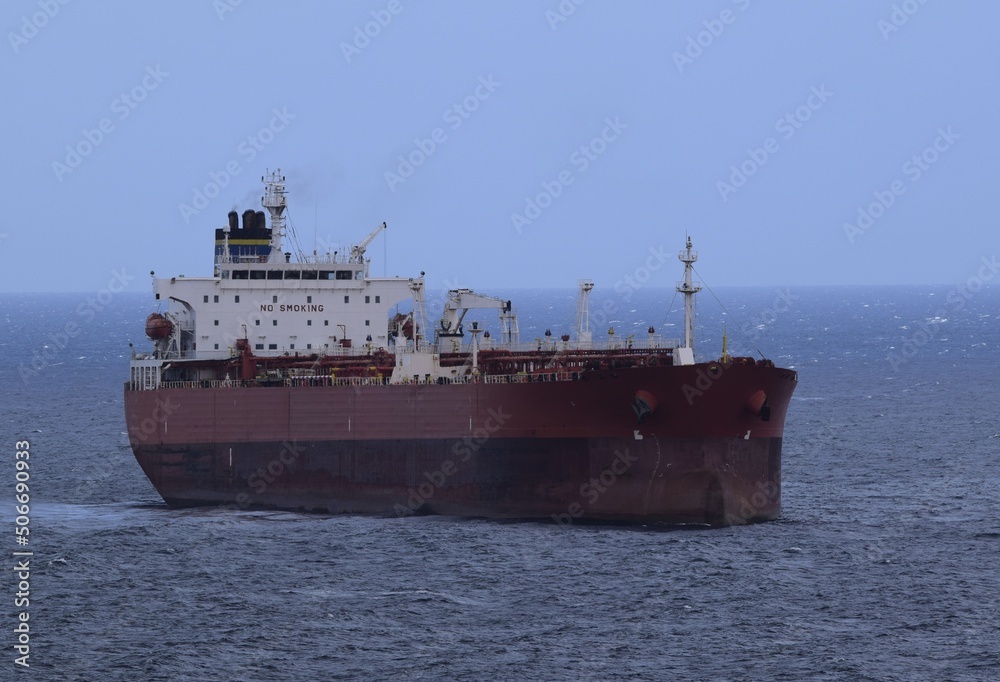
<point x="308" y="274"/>
<point x="293" y="274"/>
<point x="274" y="274"/>
<point x="258" y="274"/>
<point x="241" y="274"/>
<point x="345" y="274"/>
<point x="326" y="274"/>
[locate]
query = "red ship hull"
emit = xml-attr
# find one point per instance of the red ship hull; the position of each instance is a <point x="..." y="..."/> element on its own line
<point x="703" y="446"/>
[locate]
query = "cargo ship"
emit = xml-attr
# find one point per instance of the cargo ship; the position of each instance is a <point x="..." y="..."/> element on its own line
<point x="303" y="382"/>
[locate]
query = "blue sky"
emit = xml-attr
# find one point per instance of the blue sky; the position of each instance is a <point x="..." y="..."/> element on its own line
<point x="506" y="144"/>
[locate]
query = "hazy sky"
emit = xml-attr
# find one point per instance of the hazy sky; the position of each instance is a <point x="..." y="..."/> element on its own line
<point x="506" y="144"/>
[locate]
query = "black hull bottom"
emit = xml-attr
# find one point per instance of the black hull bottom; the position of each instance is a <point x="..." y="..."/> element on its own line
<point x="717" y="480"/>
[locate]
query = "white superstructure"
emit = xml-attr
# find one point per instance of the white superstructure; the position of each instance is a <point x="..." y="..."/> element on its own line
<point x="320" y="304"/>
<point x="317" y="315"/>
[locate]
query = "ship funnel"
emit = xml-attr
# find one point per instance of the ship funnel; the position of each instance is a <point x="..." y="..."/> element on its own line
<point x="234" y="221"/>
<point x="249" y="219"/>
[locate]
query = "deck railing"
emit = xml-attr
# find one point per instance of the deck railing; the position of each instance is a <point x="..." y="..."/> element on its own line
<point x="327" y="381"/>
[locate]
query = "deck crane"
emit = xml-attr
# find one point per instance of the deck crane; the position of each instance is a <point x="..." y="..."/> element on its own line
<point x="358" y="252"/>
<point x="460" y="301"/>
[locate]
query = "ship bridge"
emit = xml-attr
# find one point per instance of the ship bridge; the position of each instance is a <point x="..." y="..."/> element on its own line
<point x="322" y="303"/>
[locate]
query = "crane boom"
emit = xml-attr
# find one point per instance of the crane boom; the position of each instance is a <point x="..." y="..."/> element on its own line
<point x="460" y="301"/>
<point x="358" y="252"/>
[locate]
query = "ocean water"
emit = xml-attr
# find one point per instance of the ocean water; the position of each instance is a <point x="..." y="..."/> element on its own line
<point x="883" y="566"/>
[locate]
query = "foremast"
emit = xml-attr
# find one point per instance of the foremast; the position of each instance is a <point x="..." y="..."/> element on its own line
<point x="689" y="289"/>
